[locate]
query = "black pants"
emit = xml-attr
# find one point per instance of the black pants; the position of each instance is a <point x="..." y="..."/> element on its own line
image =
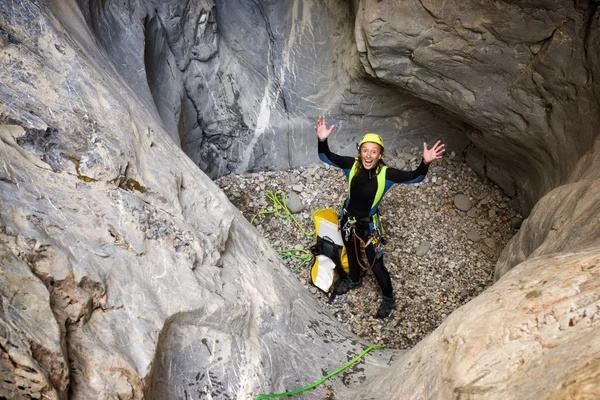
<point x="353" y="245"/>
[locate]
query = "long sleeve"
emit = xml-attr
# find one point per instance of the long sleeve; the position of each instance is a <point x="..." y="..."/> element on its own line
<point x="333" y="159"/>
<point x="398" y="176"/>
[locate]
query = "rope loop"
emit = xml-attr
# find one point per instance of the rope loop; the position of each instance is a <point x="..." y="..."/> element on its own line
<point x="280" y="209"/>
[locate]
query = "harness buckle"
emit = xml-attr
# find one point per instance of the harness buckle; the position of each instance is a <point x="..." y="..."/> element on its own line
<point x="348" y="228"/>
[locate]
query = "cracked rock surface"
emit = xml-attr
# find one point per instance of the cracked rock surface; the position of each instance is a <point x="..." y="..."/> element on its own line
<point x="120" y="258"/>
<point x="519" y="73"/>
<point x="125" y="272"/>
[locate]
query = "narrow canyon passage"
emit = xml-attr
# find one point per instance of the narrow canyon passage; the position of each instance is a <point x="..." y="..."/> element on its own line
<point x="439" y="257"/>
<point x="126" y="272"/>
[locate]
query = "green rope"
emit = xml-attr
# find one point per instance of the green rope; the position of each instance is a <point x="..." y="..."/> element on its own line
<point x="306" y="257"/>
<point x="280" y="209"/>
<point x="317" y="383"/>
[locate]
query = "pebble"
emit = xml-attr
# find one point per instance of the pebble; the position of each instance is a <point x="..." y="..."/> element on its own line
<point x="400" y="164"/>
<point x="416" y="218"/>
<point x="515" y="223"/>
<point x="474" y="236"/>
<point x="423" y="248"/>
<point x="489" y="242"/>
<point x="294" y="203"/>
<point x="462" y="202"/>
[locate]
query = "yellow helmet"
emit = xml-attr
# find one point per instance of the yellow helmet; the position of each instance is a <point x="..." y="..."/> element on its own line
<point x="372" y="138"/>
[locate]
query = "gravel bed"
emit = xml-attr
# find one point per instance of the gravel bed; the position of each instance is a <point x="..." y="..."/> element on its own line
<point x="444" y="236"/>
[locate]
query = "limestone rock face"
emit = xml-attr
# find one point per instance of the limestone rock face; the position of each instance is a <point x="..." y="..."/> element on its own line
<point x="119" y="258"/>
<point x="532" y="335"/>
<point x="240" y="84"/>
<point x="564" y="220"/>
<point x="126" y="273"/>
<point x="33" y="361"/>
<point x="523" y="74"/>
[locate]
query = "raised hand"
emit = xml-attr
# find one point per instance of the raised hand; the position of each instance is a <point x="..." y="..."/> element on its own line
<point x="321" y="128"/>
<point x="435" y="153"/>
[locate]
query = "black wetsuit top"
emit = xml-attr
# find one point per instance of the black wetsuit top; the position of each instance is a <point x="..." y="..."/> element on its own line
<point x="363" y="191"/>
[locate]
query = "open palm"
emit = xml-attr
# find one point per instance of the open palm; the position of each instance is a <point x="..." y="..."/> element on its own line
<point x="321" y="128"/>
<point x="435" y="153"/>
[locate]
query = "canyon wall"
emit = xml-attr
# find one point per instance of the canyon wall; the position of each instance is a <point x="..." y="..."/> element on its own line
<point x="126" y="273"/>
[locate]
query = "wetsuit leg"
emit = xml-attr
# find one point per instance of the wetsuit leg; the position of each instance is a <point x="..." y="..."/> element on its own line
<point x="381" y="273"/>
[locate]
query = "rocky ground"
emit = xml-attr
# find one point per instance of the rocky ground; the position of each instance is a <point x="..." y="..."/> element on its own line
<point x="443" y="238"/>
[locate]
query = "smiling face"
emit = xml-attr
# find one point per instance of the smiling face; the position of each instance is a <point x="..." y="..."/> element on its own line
<point x="370" y="153"/>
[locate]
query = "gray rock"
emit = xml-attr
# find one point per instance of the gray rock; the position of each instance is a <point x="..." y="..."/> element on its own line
<point x="489" y="242"/>
<point x="475" y="158"/>
<point x="474" y="236"/>
<point x="515" y="223"/>
<point x="267" y="123"/>
<point x="400" y="164"/>
<point x="462" y="202"/>
<point x="29" y="325"/>
<point x="294" y="203"/>
<point x="502" y="176"/>
<point x="502" y="137"/>
<point x="488" y="251"/>
<point x="533" y="277"/>
<point x="423" y="248"/>
<point x="472" y="213"/>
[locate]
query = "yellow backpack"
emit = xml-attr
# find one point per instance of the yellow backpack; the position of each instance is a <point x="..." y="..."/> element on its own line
<point x="331" y="259"/>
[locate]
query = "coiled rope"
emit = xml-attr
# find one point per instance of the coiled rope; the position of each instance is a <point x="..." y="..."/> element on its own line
<point x="281" y="209"/>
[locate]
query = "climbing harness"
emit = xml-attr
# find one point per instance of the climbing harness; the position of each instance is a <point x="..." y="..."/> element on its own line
<point x="375" y="236"/>
<point x="320" y="381"/>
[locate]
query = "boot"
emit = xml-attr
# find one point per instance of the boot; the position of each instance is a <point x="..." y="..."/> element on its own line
<point x="386" y="307"/>
<point x="347" y="285"/>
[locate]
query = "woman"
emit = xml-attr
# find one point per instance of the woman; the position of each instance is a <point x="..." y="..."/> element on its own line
<point x="368" y="180"/>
